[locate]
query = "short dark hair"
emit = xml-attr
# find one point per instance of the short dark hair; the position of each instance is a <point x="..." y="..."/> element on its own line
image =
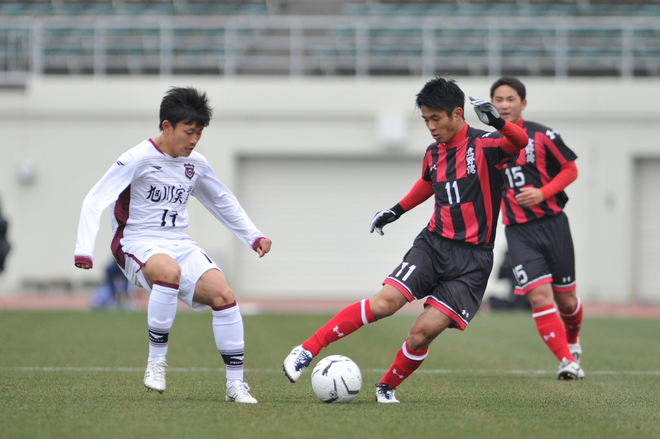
<point x="441" y="94"/>
<point x="187" y="105"/>
<point x="512" y="82"/>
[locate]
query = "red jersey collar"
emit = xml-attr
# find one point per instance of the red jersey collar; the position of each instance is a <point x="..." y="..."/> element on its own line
<point x="456" y="138"/>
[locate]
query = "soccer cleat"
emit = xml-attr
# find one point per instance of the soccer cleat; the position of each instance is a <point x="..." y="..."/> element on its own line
<point x="576" y="350"/>
<point x="154" y="376"/>
<point x="385" y="394"/>
<point x="296" y="362"/>
<point x="239" y="392"/>
<point x="569" y="370"/>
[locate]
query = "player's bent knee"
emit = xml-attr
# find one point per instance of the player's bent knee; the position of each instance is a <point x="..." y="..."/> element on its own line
<point x="162" y="268"/>
<point x="222" y="301"/>
<point x="540" y="296"/>
<point x="419" y="341"/>
<point x="169" y="273"/>
<point x="381" y="308"/>
<point x="215" y="298"/>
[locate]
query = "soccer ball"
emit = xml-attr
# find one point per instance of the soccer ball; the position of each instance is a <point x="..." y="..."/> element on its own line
<point x="336" y="379"/>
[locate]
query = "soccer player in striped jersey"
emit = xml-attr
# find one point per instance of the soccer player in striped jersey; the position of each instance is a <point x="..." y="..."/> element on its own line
<point x="537" y="230"/>
<point x="451" y="259"/>
<point x="148" y="188"/>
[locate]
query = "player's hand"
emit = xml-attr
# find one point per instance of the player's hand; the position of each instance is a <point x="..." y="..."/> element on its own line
<point x="383" y="217"/>
<point x="487" y="113"/>
<point x="264" y="246"/>
<point x="83" y="266"/>
<point x="529" y="196"/>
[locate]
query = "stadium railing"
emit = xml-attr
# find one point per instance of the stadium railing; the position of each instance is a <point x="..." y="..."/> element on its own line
<point x="313" y="45"/>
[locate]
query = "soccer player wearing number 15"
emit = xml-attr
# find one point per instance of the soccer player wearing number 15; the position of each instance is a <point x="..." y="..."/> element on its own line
<point x="451" y="259"/>
<point x="537" y="230"/>
<point x="149" y="187"/>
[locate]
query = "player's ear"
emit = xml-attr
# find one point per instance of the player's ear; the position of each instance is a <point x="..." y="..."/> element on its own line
<point x="167" y="126"/>
<point x="523" y="104"/>
<point x="457" y="114"/>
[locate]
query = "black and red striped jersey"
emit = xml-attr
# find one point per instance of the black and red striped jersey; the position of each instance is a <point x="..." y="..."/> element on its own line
<point x="465" y="174"/>
<point x="536" y="166"/>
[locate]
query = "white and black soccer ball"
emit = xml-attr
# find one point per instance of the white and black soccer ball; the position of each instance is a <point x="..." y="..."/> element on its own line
<point x="336" y="379"/>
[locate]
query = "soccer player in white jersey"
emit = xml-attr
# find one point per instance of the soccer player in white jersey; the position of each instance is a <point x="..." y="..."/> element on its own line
<point x="148" y="188"/>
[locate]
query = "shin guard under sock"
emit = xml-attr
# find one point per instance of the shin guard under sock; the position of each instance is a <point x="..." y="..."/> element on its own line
<point x="161" y="312"/>
<point x="405" y="363"/>
<point x="229" y="339"/>
<point x="552" y="331"/>
<point x="572" y="322"/>
<point x="347" y="321"/>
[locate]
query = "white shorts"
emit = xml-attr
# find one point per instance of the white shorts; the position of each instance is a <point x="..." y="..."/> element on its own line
<point x="193" y="262"/>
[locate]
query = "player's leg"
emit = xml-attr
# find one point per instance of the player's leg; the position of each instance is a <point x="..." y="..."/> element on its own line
<point x="350" y="319"/>
<point x="562" y="265"/>
<point x="163" y="274"/>
<point x="461" y="276"/>
<point x="412" y="354"/>
<point x="530" y="250"/>
<point x="213" y="290"/>
<point x="570" y="311"/>
<point x="552" y="331"/>
<point x="547" y="321"/>
<point x="345" y="322"/>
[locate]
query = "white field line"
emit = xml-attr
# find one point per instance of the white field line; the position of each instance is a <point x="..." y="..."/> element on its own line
<point x="424" y="371"/>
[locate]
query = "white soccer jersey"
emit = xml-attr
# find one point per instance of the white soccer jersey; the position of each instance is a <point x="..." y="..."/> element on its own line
<point x="149" y="191"/>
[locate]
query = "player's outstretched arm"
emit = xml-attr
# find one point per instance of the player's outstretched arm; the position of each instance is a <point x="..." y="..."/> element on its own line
<point x="420" y="192"/>
<point x="515" y="137"/>
<point x="104" y="193"/>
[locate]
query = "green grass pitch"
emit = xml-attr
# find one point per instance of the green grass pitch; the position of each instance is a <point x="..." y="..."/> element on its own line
<point x="79" y="375"/>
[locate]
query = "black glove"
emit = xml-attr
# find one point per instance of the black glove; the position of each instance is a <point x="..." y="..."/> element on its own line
<point x="385" y="217"/>
<point x="487" y="113"/>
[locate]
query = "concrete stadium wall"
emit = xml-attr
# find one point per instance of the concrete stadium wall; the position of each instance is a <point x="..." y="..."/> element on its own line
<point x="66" y="132"/>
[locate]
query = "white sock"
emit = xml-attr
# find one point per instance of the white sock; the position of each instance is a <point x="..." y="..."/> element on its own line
<point x="228" y="333"/>
<point x="160" y="317"/>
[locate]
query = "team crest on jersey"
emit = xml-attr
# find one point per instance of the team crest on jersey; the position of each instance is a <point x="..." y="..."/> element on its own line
<point x="190" y="170"/>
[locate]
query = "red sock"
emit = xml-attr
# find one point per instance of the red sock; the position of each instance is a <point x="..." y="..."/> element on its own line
<point x="552" y="331"/>
<point x="405" y="363"/>
<point x="347" y="321"/>
<point x="572" y="322"/>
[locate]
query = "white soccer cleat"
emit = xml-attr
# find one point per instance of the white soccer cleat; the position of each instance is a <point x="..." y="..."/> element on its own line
<point x="296" y="362"/>
<point x="576" y="350"/>
<point x="154" y="376"/>
<point x="385" y="394"/>
<point x="239" y="392"/>
<point x="569" y="370"/>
